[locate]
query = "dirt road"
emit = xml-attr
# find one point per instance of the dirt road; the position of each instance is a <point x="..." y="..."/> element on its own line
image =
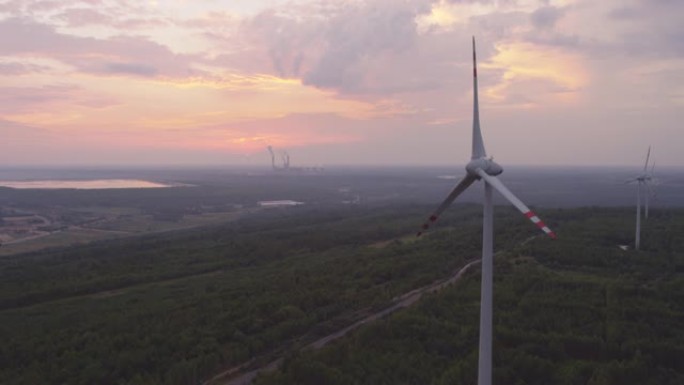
<point x="400" y="302"/>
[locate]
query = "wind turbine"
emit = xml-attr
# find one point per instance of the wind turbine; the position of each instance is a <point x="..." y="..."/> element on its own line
<point x="482" y="168"/>
<point x="643" y="179"/>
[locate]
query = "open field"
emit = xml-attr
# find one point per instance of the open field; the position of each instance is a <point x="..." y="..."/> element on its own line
<point x="100" y="224"/>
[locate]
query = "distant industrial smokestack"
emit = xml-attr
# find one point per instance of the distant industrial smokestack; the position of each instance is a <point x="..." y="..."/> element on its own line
<point x="270" y="149"/>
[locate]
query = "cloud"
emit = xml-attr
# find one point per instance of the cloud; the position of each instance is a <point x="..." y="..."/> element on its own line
<point x="536" y="75"/>
<point x="116" y="18"/>
<point x="11" y="130"/>
<point x="27" y="100"/>
<point x="338" y="47"/>
<point x="11" y="6"/>
<point x="353" y="75"/>
<point x="384" y="48"/>
<point x="18" y="68"/>
<point x="23" y="99"/>
<point x="546" y="17"/>
<point x="43" y="5"/>
<point x="130" y="69"/>
<point x="358" y="36"/>
<point x="79" y="17"/>
<point x="119" y="55"/>
<point x="633" y="28"/>
<point x="82" y="12"/>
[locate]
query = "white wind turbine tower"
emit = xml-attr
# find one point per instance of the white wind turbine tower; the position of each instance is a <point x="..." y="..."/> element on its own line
<point x="482" y="168"/>
<point x="643" y="179"/>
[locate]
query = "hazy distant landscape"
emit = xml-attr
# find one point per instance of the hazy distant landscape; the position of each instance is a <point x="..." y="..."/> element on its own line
<point x="38" y="218"/>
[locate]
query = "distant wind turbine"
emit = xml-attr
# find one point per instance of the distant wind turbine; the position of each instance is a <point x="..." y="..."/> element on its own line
<point x="644" y="179"/>
<point x="481" y="167"/>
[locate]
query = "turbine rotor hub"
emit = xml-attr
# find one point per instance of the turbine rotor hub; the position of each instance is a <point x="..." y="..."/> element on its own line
<point x="487" y="165"/>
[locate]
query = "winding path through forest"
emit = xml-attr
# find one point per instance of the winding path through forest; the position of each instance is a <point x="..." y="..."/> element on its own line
<point x="403" y="301"/>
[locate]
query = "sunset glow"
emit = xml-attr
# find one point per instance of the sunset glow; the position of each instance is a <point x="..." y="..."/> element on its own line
<point x="207" y="82"/>
<point x="561" y="74"/>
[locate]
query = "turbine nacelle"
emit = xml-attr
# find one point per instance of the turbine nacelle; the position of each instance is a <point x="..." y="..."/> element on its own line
<point x="487" y="165"/>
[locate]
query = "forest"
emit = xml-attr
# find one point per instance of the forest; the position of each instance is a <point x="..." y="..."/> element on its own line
<point x="180" y="307"/>
<point x="575" y="311"/>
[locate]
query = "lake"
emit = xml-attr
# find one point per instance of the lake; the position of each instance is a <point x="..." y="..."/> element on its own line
<point x="95" y="184"/>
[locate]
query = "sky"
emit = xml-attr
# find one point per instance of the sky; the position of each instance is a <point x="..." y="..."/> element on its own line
<point x="340" y="82"/>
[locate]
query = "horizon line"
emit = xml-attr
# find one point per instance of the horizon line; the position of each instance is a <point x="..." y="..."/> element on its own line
<point x="324" y="166"/>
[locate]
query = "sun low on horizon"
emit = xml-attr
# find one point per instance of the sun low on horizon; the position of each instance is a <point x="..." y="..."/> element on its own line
<point x="338" y="82"/>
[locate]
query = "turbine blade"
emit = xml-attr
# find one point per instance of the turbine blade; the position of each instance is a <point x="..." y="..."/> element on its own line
<point x="478" y="144"/>
<point x="648" y="155"/>
<point x="496" y="183"/>
<point x="652" y="180"/>
<point x="460" y="187"/>
<point x="652" y="190"/>
<point x="646" y="198"/>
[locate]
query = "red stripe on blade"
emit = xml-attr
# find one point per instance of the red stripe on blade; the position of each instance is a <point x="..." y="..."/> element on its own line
<point x="433" y="218"/>
<point x="529" y="214"/>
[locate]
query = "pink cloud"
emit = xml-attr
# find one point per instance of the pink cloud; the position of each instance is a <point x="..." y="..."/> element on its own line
<point x="121" y="55"/>
<point x="78" y="17"/>
<point x="117" y="19"/>
<point x="16" y="100"/>
<point x="18" y="68"/>
<point x="11" y="6"/>
<point x="335" y="47"/>
<point x="44" y="5"/>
